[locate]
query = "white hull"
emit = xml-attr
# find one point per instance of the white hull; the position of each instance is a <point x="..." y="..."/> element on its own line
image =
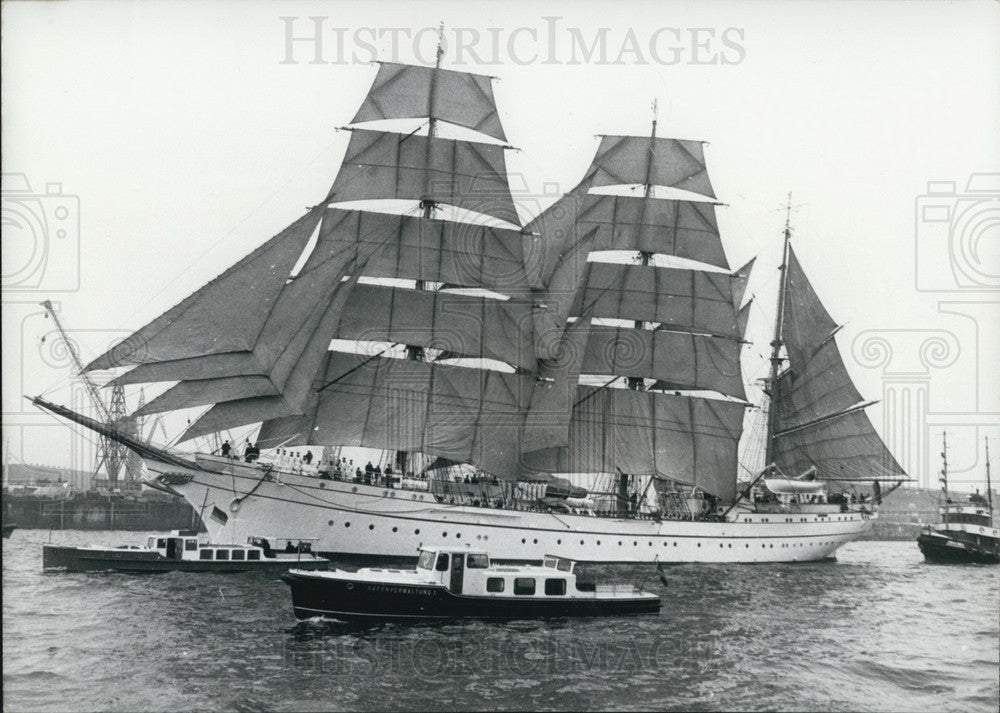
<point x="347" y="519"/>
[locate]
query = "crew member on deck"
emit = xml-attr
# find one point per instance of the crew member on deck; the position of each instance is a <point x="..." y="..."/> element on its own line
<point x="225" y="449"/>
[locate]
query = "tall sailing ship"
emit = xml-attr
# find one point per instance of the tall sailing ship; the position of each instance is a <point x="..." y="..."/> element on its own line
<point x="572" y="386"/>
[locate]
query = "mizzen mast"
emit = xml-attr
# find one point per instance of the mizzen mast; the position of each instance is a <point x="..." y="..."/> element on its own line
<point x="776" y="343"/>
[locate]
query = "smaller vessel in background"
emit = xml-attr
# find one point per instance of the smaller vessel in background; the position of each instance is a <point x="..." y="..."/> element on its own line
<point x="181" y="550"/>
<point x="966" y="532"/>
<point x="460" y="582"/>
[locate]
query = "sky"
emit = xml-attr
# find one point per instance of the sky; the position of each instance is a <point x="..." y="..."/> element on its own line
<point x="148" y="146"/>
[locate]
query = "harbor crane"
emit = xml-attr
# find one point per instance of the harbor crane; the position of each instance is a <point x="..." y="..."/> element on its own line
<point x="112" y="456"/>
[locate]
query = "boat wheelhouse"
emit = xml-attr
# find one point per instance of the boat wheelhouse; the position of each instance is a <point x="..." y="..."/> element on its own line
<point x="181" y="550"/>
<point x="461" y="582"/>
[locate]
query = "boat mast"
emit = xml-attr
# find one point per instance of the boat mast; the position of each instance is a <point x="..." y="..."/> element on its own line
<point x="944" y="472"/>
<point x="777" y="342"/>
<point x="989" y="487"/>
<point x="637" y="383"/>
<point x="414" y="352"/>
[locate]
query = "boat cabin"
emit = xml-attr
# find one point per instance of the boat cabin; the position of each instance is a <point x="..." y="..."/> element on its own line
<point x="966" y="513"/>
<point x="185" y="545"/>
<point x="469" y="571"/>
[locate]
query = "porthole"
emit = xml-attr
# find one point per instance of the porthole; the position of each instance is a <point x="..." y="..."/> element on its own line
<point x="444" y="534"/>
<point x="416" y="532"/>
<point x="535" y="541"/>
<point x="330" y="523"/>
<point x="347" y="524"/>
<point x="395" y="529"/>
<point x="635" y="543"/>
<point x="675" y="544"/>
<point x="322" y="485"/>
<point x="598" y="542"/>
<point x="650" y="543"/>
<point x="619" y="543"/>
<point x="699" y="544"/>
<point x="458" y="535"/>
<point x="523" y="541"/>
<point x="558" y="542"/>
<point x="371" y="527"/>
<point x="354" y="489"/>
<point x="581" y="542"/>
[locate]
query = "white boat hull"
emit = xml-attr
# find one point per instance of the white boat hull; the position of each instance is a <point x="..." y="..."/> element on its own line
<point x="351" y="520"/>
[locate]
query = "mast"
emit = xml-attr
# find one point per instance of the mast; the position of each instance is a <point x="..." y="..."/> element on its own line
<point x="944" y="473"/>
<point x="776" y="343"/>
<point x="637" y="383"/>
<point x="413" y="352"/>
<point x="989" y="487"/>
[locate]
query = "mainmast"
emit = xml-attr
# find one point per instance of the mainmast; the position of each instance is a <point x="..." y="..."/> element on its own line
<point x="645" y="256"/>
<point x="776" y="343"/>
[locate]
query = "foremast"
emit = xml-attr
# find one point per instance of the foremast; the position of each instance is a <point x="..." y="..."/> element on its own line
<point x="317" y="353"/>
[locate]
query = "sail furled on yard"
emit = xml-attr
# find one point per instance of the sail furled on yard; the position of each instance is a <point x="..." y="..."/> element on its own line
<point x="819" y="417"/>
<point x="403" y="91"/>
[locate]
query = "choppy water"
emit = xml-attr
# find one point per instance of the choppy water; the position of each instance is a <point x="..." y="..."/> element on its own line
<point x="879" y="630"/>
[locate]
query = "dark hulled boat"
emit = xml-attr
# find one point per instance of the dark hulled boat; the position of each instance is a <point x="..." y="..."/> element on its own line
<point x="966" y="533"/>
<point x="179" y="551"/>
<point x="458" y="582"/>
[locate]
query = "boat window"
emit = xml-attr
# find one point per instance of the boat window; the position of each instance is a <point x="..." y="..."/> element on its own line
<point x="222" y="554"/>
<point x="550" y="562"/>
<point x="151" y="543"/>
<point x="524" y="585"/>
<point x="555" y="586"/>
<point x="190" y="545"/>
<point x="477" y="561"/>
<point x="253" y="555"/>
<point x="238" y="554"/>
<point x="426" y="560"/>
<point x="442" y="564"/>
<point x="161" y="543"/>
<point x="494" y="584"/>
<point x="564" y="565"/>
<point x="205" y="555"/>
